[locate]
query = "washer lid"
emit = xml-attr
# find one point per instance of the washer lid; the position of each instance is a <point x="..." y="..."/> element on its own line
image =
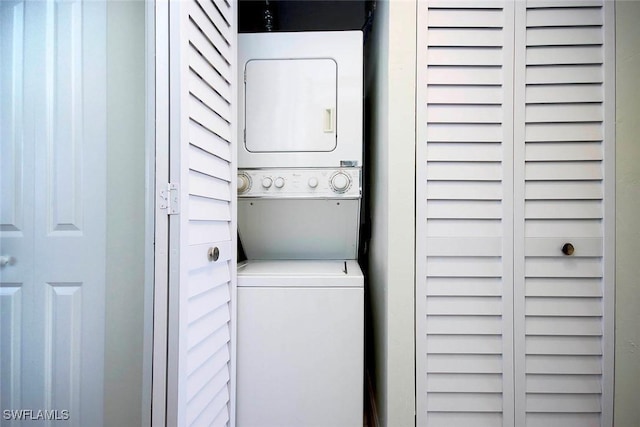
<point x="300" y="273"/>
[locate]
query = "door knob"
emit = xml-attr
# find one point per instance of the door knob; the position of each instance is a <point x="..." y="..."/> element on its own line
<point x="7" y="260"/>
<point x="568" y="249"/>
<point x="213" y="254"/>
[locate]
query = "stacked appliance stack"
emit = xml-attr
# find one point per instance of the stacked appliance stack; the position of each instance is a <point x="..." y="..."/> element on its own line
<point x="301" y="291"/>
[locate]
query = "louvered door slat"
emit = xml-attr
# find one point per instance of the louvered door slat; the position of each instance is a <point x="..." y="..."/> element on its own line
<point x="564" y="151"/>
<point x="562" y="368"/>
<point x="561" y="55"/>
<point x="465" y="56"/>
<point x="576" y="16"/>
<point x="570" y="93"/>
<point x="567" y="73"/>
<point x="448" y="75"/>
<point x="463" y="152"/>
<point x="549" y="132"/>
<point x="452" y="113"/>
<point x="206" y="163"/>
<point x="564" y="36"/>
<point x="563" y="3"/>
<point x="573" y="384"/>
<point x="464" y="171"/>
<point x="580" y="209"/>
<point x="565" y="112"/>
<point x="465" y="37"/>
<point x="464" y="246"/>
<point x="462" y="286"/>
<point x="465" y="132"/>
<point x="456" y="190"/>
<point x="450" y="324"/>
<point x="448" y="419"/>
<point x="465" y="146"/>
<point x="465" y="94"/>
<point x="451" y="16"/>
<point x="563" y="170"/>
<point x="555" y="190"/>
<point x="466" y="402"/>
<point x="570" y="325"/>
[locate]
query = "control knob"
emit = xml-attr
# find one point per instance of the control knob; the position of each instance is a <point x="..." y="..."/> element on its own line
<point x="244" y="182"/>
<point x="279" y="182"/>
<point x="340" y="182"/>
<point x="313" y="182"/>
<point x="266" y="182"/>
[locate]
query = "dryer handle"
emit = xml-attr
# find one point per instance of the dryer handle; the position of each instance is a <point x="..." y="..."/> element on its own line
<point x="329" y="119"/>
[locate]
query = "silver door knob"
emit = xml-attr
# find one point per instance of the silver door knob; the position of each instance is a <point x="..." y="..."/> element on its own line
<point x="7" y="260"/>
<point x="213" y="254"/>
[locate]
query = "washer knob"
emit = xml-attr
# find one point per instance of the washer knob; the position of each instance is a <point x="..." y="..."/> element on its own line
<point x="313" y="182"/>
<point x="266" y="182"/>
<point x="244" y="182"/>
<point x="340" y="182"/>
<point x="279" y="182"/>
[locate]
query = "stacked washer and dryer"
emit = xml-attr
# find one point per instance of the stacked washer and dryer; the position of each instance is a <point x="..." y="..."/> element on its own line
<point x="301" y="292"/>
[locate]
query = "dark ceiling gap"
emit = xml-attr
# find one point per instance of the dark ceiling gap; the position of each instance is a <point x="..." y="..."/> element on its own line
<point x="302" y="15"/>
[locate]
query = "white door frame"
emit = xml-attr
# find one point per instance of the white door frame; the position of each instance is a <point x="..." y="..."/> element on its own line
<point x="157" y="221"/>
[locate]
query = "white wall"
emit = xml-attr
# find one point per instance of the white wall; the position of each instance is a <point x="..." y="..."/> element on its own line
<point x="627" y="362"/>
<point x="391" y="80"/>
<point x="125" y="212"/>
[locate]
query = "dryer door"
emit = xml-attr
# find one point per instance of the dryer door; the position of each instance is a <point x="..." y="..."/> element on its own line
<point x="290" y="105"/>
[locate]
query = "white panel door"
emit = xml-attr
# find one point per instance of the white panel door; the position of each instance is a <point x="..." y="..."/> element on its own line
<point x="53" y="181"/>
<point x="202" y="144"/>
<point x="510" y="329"/>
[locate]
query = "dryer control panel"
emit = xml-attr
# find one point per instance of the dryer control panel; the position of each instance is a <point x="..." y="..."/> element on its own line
<point x="300" y="183"/>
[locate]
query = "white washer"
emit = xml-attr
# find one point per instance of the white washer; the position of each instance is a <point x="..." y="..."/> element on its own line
<point x="300" y="344"/>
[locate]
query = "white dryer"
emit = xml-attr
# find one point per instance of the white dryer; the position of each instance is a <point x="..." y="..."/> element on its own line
<point x="301" y="104"/>
<point x="300" y="344"/>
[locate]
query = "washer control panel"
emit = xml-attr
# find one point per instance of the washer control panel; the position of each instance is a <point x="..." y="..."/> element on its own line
<point x="312" y="183"/>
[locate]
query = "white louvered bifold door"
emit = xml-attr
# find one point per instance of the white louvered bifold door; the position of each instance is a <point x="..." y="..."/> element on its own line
<point x="464" y="218"/>
<point x="515" y="147"/>
<point x="562" y="168"/>
<point x="203" y="243"/>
